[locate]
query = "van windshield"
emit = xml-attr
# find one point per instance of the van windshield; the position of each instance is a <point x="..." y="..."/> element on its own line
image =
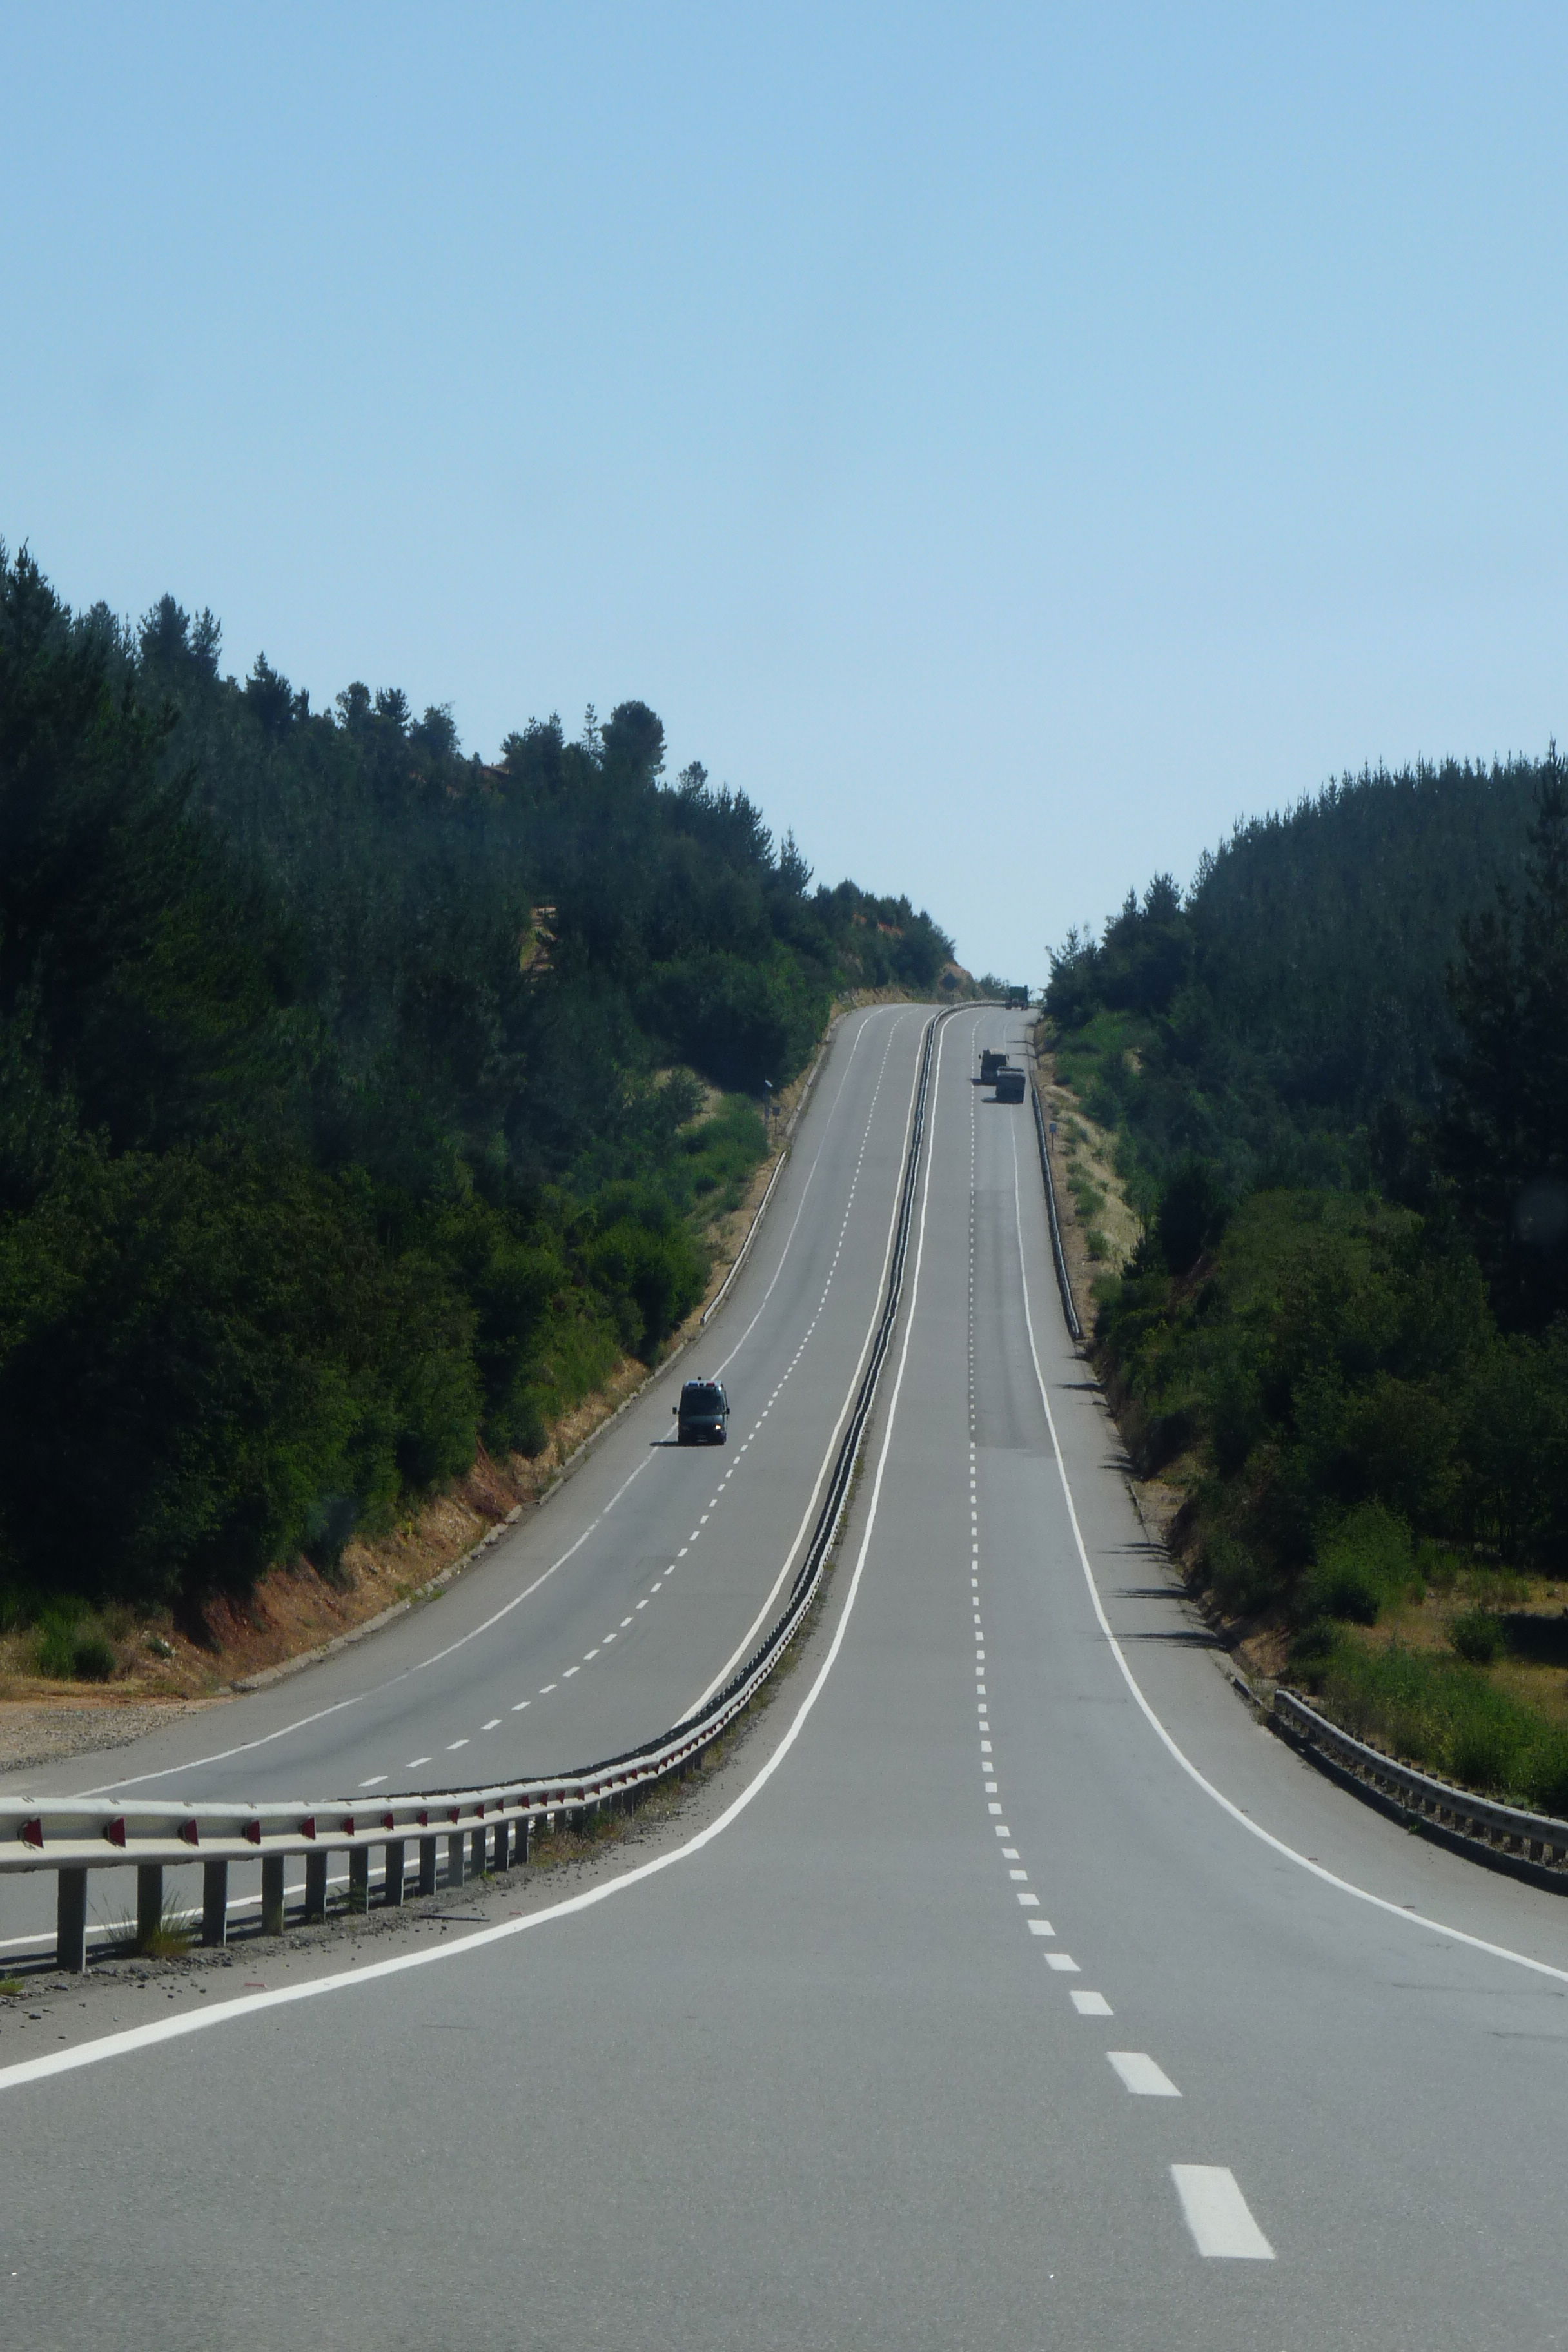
<point x="701" y="1398"/>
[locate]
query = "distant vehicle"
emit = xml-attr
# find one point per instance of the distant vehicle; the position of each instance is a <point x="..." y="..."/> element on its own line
<point x="1009" y="1085"/>
<point x="990" y="1063"/>
<point x="701" y="1417"/>
<point x="1020" y="997"/>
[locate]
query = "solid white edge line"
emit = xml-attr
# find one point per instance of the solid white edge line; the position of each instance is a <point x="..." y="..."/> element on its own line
<point x="1254" y="1829"/>
<point x="172" y="2028"/>
<point x="1218" y="2214"/>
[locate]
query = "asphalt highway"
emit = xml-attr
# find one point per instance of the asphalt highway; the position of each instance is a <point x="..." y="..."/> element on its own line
<point x="1024" y="1992"/>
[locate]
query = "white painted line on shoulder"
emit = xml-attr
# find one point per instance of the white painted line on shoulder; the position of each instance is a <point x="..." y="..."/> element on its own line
<point x="1216" y="2213"/>
<point x="1063" y="1963"/>
<point x="1089" y="2005"/>
<point x="1141" y="2076"/>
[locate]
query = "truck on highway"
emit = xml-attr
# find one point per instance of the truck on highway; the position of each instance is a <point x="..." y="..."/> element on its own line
<point x="990" y="1063"/>
<point x="1009" y="1085"/>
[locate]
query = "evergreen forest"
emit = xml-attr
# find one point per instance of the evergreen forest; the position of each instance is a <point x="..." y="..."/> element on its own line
<point x="361" y="1103"/>
<point x="1337" y="1070"/>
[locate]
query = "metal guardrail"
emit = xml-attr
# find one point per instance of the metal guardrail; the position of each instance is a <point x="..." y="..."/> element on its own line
<point x="484" y="1828"/>
<point x="1064" y="1283"/>
<point x="1537" y="1838"/>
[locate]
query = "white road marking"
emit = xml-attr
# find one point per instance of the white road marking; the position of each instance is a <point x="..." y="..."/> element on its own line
<point x="548" y="1688"/>
<point x="624" y="1623"/>
<point x="589" y="1653"/>
<point x="641" y="1604"/>
<point x="985" y="1747"/>
<point x="1089" y="2005"/>
<point x="1063" y="1963"/>
<point x="1009" y="1854"/>
<point x="1216" y="2213"/>
<point x="996" y="1808"/>
<point x="1141" y="2076"/>
<point x="375" y="1782"/>
<point x="570" y="1672"/>
<point x="414" y="1761"/>
<point x="491" y="1725"/>
<point x="1002" y="1829"/>
<point x="1019" y="1873"/>
<point x="1029" y="1900"/>
<point x="1041" y="1927"/>
<point x="520" y="1704"/>
<point x="455" y="1743"/>
<point x="609" y="1637"/>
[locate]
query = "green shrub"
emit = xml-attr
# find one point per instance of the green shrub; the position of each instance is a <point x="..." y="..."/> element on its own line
<point x="1098" y="1244"/>
<point x="70" y="1647"/>
<point x="1368" y="1561"/>
<point x="1446" y="1716"/>
<point x="1478" y="1636"/>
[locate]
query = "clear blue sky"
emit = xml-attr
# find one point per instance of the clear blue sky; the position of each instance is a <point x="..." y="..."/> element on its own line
<point x="1009" y="441"/>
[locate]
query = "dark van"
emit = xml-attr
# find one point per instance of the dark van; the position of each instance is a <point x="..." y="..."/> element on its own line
<point x="1009" y="1085"/>
<point x="703" y="1414"/>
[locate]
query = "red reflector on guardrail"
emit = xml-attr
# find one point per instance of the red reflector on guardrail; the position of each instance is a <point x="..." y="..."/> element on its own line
<point x="191" y="1833"/>
<point x="31" y="1833"/>
<point x="114" y="1831"/>
<point x="308" y="1827"/>
<point x="253" y="1832"/>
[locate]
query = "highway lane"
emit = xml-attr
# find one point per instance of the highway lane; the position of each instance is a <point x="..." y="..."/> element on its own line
<point x="603" y="1618"/>
<point x="982" y="2021"/>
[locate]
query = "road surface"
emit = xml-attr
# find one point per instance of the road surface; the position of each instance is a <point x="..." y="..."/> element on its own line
<point x="1023" y="1993"/>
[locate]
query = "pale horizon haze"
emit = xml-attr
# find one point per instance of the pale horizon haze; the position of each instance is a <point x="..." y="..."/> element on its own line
<point x="1011" y="443"/>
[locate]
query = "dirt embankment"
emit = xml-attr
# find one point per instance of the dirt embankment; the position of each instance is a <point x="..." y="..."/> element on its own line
<point x="169" y="1665"/>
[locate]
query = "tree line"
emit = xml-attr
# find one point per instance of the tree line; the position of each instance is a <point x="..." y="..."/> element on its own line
<point x="1338" y="1069"/>
<point x="361" y="1102"/>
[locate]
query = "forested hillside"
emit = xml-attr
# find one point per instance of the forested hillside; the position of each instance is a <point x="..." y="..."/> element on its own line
<point x="1286" y="1018"/>
<point x="357" y="1101"/>
<point x="1339" y="1071"/>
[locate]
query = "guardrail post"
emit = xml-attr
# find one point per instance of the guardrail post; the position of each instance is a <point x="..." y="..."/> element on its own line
<point x="315" y="1886"/>
<point x="427" y="1850"/>
<point x="501" y="1849"/>
<point x="71" y="1920"/>
<point x="521" y="1839"/>
<point x="454" y="1871"/>
<point x="215" y="1902"/>
<point x="476" y="1854"/>
<point x="149" y="1902"/>
<point x="359" y="1878"/>
<point x="272" y="1895"/>
<point x="396" y="1857"/>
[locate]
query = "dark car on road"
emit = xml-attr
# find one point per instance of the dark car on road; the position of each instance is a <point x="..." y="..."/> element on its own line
<point x="701" y="1418"/>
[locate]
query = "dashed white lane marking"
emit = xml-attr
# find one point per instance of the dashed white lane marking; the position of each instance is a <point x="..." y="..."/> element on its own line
<point x="1089" y="2004"/>
<point x="624" y="1623"/>
<point x="414" y="1761"/>
<point x="548" y="1688"/>
<point x="520" y="1704"/>
<point x="569" y="1673"/>
<point x="491" y="1725"/>
<point x="1028" y="1901"/>
<point x="1141" y="2076"/>
<point x="1041" y="1927"/>
<point x="589" y="1653"/>
<point x="996" y="1808"/>
<point x="641" y="1604"/>
<point x="1063" y="1963"/>
<point x="1019" y="1873"/>
<point x="374" y="1780"/>
<point x="455" y="1743"/>
<point x="1216" y="2213"/>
